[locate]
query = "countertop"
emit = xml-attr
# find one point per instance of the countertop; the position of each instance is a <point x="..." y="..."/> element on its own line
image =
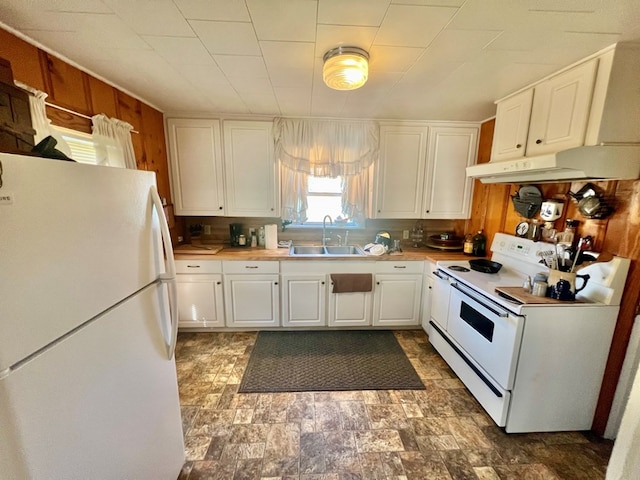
<point x="225" y="252"/>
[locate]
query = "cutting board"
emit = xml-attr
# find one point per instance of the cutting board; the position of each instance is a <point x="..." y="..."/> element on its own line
<point x="194" y="250"/>
<point x="521" y="295"/>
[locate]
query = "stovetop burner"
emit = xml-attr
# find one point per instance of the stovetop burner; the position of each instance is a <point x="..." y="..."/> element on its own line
<point x="459" y="268"/>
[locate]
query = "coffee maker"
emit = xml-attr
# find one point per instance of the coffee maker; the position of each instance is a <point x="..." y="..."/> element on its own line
<point x="235" y="230"/>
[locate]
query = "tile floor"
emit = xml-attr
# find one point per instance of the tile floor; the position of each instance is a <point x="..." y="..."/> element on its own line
<point x="437" y="433"/>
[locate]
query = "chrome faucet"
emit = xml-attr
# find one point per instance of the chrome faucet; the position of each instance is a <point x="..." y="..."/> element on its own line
<point x="324" y="229"/>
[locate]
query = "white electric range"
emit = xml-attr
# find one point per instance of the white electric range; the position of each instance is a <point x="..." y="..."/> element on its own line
<point x="532" y="366"/>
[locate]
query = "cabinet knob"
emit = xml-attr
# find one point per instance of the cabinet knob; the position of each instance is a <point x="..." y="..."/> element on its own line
<point x="377" y="283"/>
<point x="220" y="207"/>
<point x="272" y="209"/>
<point x="220" y="283"/>
<point x="427" y="211"/>
<point x="519" y="145"/>
<point x="538" y="141"/>
<point x="275" y="283"/>
<point x="379" y="211"/>
<point x="321" y="283"/>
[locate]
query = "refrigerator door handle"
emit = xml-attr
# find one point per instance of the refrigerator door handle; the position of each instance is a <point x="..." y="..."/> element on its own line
<point x="169" y="276"/>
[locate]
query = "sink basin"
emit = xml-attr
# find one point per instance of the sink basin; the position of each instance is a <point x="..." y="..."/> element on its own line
<point x="328" y="251"/>
<point x="307" y="250"/>
<point x="344" y="250"/>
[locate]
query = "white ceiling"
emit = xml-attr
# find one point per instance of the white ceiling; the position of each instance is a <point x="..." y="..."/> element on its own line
<point x="430" y="59"/>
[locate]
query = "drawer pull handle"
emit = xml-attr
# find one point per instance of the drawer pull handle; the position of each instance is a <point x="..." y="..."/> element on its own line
<point x="193" y="266"/>
<point x="251" y="266"/>
<point x="399" y="266"/>
<point x="218" y="283"/>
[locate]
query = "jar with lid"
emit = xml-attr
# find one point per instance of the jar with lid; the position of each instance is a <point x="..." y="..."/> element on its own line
<point x="479" y="244"/>
<point x="467" y="248"/>
<point x="568" y="236"/>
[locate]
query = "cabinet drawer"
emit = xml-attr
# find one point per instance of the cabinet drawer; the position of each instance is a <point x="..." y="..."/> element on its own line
<point x="399" y="267"/>
<point x="198" y="266"/>
<point x="250" y="267"/>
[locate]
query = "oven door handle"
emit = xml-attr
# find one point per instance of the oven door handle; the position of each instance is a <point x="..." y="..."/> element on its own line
<point x="491" y="308"/>
<point x="439" y="274"/>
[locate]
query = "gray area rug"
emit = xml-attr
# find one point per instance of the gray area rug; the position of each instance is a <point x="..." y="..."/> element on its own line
<point x="328" y="360"/>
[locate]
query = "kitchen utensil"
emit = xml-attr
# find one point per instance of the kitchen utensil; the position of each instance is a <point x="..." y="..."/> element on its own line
<point x="235" y="229"/>
<point x="527" y="200"/>
<point x="485" y="266"/>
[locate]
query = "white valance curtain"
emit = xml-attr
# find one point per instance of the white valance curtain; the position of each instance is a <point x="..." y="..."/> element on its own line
<point x="113" y="143"/>
<point x="39" y="120"/>
<point x="325" y="148"/>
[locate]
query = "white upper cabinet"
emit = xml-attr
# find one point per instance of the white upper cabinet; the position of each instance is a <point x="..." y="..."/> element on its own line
<point x="447" y="190"/>
<point x="250" y="169"/>
<point x="400" y="171"/>
<point x="560" y="111"/>
<point x="512" y="126"/>
<point x="587" y="103"/>
<point x="196" y="166"/>
<point x="421" y="171"/>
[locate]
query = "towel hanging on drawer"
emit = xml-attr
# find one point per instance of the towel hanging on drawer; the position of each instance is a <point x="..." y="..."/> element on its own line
<point x="351" y="282"/>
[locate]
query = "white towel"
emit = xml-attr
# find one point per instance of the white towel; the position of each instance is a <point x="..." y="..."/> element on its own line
<point x="271" y="237"/>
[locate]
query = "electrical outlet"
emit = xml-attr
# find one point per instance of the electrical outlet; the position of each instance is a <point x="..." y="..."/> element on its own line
<point x="207" y="229"/>
<point x="180" y="238"/>
<point x="405" y="234"/>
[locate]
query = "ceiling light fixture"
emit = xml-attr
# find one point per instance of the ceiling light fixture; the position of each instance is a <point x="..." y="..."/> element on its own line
<point x="345" y="68"/>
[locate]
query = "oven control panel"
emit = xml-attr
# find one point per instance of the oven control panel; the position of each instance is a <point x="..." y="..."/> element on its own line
<point x="519" y="249"/>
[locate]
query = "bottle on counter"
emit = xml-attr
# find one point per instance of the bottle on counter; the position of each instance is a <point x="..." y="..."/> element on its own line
<point x="479" y="244"/>
<point x="467" y="248"/>
<point x="261" y="237"/>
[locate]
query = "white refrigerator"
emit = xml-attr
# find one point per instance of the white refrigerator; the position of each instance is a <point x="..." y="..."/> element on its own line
<point x="88" y="384"/>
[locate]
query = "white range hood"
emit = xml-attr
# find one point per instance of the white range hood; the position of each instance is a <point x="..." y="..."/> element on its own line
<point x="591" y="163"/>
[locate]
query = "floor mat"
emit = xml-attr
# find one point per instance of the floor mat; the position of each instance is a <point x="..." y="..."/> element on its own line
<point x="328" y="360"/>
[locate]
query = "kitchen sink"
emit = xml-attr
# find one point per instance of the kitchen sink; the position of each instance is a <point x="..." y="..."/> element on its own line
<point x="326" y="251"/>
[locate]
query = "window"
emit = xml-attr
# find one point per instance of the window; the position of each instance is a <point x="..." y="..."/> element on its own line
<point x="81" y="144"/>
<point x="324" y="197"/>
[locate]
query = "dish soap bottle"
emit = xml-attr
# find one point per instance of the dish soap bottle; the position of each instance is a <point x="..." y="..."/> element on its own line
<point x="479" y="244"/>
<point x="468" y="245"/>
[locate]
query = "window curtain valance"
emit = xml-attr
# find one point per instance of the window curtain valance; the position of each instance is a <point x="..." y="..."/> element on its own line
<point x="112" y="138"/>
<point x="326" y="148"/>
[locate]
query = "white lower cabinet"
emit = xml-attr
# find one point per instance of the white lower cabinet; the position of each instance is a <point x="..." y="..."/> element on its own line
<point x="304" y="299"/>
<point x="350" y="309"/>
<point x="397" y="294"/>
<point x="427" y="293"/>
<point x="251" y="294"/>
<point x="199" y="288"/>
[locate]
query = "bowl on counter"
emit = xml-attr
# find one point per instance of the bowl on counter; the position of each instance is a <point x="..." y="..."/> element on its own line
<point x="445" y="241"/>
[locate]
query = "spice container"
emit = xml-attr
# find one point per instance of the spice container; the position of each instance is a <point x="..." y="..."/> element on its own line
<point x="468" y="245"/>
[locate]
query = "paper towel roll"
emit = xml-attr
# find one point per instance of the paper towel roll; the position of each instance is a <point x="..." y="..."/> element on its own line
<point x="271" y="237"/>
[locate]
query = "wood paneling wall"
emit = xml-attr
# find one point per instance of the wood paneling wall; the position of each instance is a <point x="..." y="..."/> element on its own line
<point x="492" y="211"/>
<point x="71" y="88"/>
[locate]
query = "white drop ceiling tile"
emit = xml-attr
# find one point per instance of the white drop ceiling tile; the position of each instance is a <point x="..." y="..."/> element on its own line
<point x="491" y="15"/>
<point x="291" y="77"/>
<point x="393" y="59"/>
<point x="593" y="21"/>
<point x="238" y="66"/>
<point x="48" y="21"/>
<point x="261" y="104"/>
<point x="412" y="25"/>
<point x="288" y="54"/>
<point x="327" y="103"/>
<point x="332" y="36"/>
<point x="106" y="31"/>
<point x="225" y="10"/>
<point x="180" y="50"/>
<point x="353" y="12"/>
<point x="152" y="17"/>
<point x="525" y="40"/>
<point x="460" y="45"/>
<point x="293" y="20"/>
<point x="428" y="72"/>
<point x="293" y="101"/>
<point x="204" y="74"/>
<point x="227" y="38"/>
<point x="442" y="3"/>
<point x="86" y="6"/>
<point x="247" y="85"/>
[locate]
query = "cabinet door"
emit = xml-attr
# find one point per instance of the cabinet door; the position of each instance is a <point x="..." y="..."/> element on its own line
<point x="400" y="172"/>
<point x="200" y="301"/>
<point x="512" y="126"/>
<point x="252" y="300"/>
<point x="350" y="309"/>
<point x="396" y="301"/>
<point x="427" y="292"/>
<point x="560" y="111"/>
<point x="250" y="169"/>
<point x="196" y="166"/>
<point x="447" y="191"/>
<point x="303" y="300"/>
